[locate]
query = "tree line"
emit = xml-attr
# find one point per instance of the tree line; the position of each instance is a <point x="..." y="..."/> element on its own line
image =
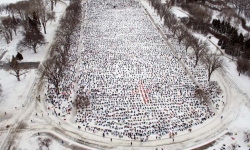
<point x="234" y="43"/>
<point x="53" y="68"/>
<point x="31" y="15"/>
<point x="199" y="48"/>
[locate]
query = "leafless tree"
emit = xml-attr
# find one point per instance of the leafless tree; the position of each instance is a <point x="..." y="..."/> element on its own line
<point x="170" y="20"/>
<point x="32" y="40"/>
<point x="44" y="13"/>
<point x="45" y="17"/>
<point x="10" y="8"/>
<point x="61" y="49"/>
<point x="5" y="34"/>
<point x="182" y="33"/>
<point x="16" y="70"/>
<point x="55" y="2"/>
<point x="82" y="101"/>
<point x="164" y="11"/>
<point x="8" y="25"/>
<point x="201" y="16"/>
<point x="44" y="142"/>
<point x="200" y="94"/>
<point x="188" y="41"/>
<point x="52" y="70"/>
<point x="22" y="8"/>
<point x="65" y="33"/>
<point x="236" y="50"/>
<point x="242" y="65"/>
<point x="240" y="5"/>
<point x="2" y="8"/>
<point x="247" y="136"/>
<point x="212" y="63"/>
<point x="168" y="4"/>
<point x="175" y="28"/>
<point x="227" y="14"/>
<point x="233" y="146"/>
<point x="199" y="48"/>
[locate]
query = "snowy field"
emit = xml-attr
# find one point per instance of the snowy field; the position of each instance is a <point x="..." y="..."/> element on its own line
<point x="15" y="94"/>
<point x="136" y="87"/>
<point x="8" y="1"/>
<point x="9" y="82"/>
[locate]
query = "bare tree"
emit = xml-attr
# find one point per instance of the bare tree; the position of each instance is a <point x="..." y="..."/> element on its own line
<point x="82" y="101"/>
<point x="52" y="70"/>
<point x="199" y="48"/>
<point x="188" y="41"/>
<point x="240" y="5"/>
<point x="15" y="67"/>
<point x="242" y="65"/>
<point x="5" y="34"/>
<point x="7" y="24"/>
<point x="169" y="20"/>
<point x="200" y="94"/>
<point x="22" y="8"/>
<point x="175" y="28"/>
<point x="168" y="4"/>
<point x="10" y="8"/>
<point x="212" y="62"/>
<point x="44" y="14"/>
<point x="182" y="33"/>
<point x="233" y="146"/>
<point x="45" y="17"/>
<point x="247" y="136"/>
<point x="163" y="11"/>
<point x="32" y="40"/>
<point x="44" y="142"/>
<point x="61" y="49"/>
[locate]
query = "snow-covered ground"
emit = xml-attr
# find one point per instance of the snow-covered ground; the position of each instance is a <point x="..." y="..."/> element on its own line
<point x="237" y="127"/>
<point x="15" y="93"/>
<point x="179" y="12"/>
<point x="237" y="88"/>
<point x="32" y="143"/>
<point x="9" y="82"/>
<point x="8" y="1"/>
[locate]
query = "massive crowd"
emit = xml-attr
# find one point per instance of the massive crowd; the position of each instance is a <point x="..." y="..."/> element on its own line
<point x="134" y="82"/>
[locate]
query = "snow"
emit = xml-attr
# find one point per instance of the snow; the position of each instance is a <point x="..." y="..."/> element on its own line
<point x="8" y="1"/>
<point x="236" y="129"/>
<point x="31" y="143"/>
<point x="179" y="12"/>
<point x="14" y="92"/>
<point x="9" y="82"/>
<point x="242" y="81"/>
<point x="236" y="113"/>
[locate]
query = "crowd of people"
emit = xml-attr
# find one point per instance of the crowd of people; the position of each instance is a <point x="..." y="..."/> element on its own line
<point x="134" y="82"/>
